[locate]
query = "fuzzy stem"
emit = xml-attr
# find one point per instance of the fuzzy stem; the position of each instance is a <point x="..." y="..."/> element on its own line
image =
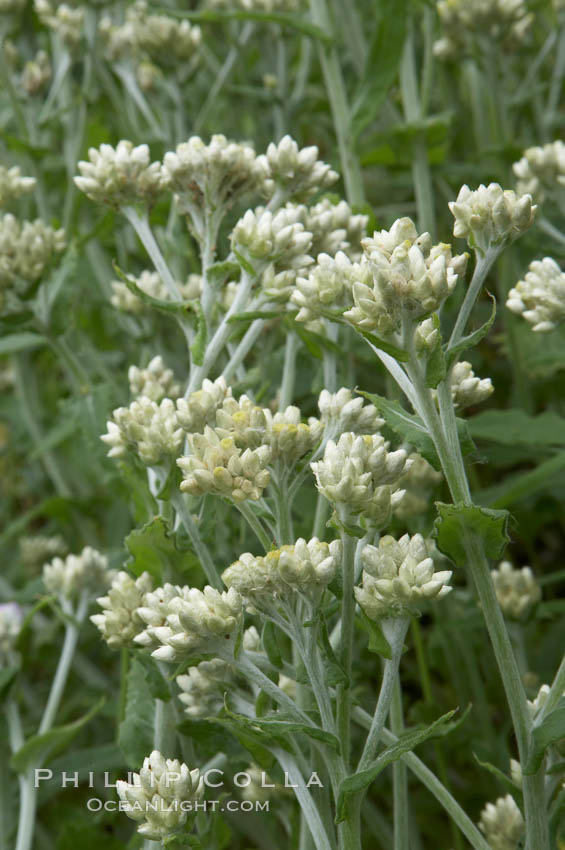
<point x="346" y="654"/>
<point x="399" y="776"/>
<point x="201" y="550"/>
<point x="141" y="226"/>
<point x="255" y="524"/>
<point x="243" y="348"/>
<point x="289" y="371"/>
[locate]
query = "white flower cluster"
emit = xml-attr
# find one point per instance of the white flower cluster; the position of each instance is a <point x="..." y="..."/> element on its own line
<point x="144" y="36"/>
<point x="398" y="577"/>
<point x="303" y="567"/>
<point x="327" y="286"/>
<point x="120" y="176"/>
<point x="410" y="276"/>
<point x="150" y="283"/>
<point x="267" y="237"/>
<point x="490" y="216"/>
<point x="359" y="474"/>
<point x="466" y="388"/>
<point x="154" y="382"/>
<point x="11" y="619"/>
<point x="516" y="590"/>
<point x="540" y="297"/>
<point x="67" y="21"/>
<point x="158" y="794"/>
<point x="541" y="171"/>
<point x="296" y="172"/>
<point x="13" y="185"/>
<point x="216" y="174"/>
<point x="288" y="437"/>
<point x="26" y="248"/>
<point x="202" y="688"/>
<point x="418" y="482"/>
<point x="503" y="824"/>
<point x="34" y="551"/>
<point x="217" y="465"/>
<point x="119" y="622"/>
<point x="505" y="21"/>
<point x="334" y="227"/>
<point x="77" y="574"/>
<point x="341" y="412"/>
<point x="242" y="420"/>
<point x="183" y="621"/>
<point x="201" y="406"/>
<point x="148" y="429"/>
<point x="37" y="73"/>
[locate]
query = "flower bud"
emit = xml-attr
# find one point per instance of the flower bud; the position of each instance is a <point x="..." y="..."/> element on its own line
<point x="296" y="172"/>
<point x="503" y="824"/>
<point x="489" y="216"/>
<point x="466" y="388"/>
<point x="11" y="619"/>
<point x="119" y="621"/>
<point x="77" y="574"/>
<point x="120" y="176"/>
<point x="154" y="382"/>
<point x="27" y="248"/>
<point x="341" y="412"/>
<point x="516" y="590"/>
<point x="540" y="297"/>
<point x="539" y="170"/>
<point x="148" y="429"/>
<point x="13" y="185"/>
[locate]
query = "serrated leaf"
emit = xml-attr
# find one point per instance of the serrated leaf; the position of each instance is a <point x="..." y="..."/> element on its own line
<point x="405" y="744"/>
<point x="135" y="735"/>
<point x="457" y="523"/>
<point x="473" y="338"/>
<point x="382" y="63"/>
<point x="198" y="347"/>
<point x="552" y="729"/>
<point x="39" y="749"/>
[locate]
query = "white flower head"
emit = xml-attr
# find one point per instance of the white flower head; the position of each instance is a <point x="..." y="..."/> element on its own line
<point x="503" y="824"/>
<point x="489" y="217"/>
<point x="120" y="176"/>
<point x="74" y="575"/>
<point x="327" y="286"/>
<point x="517" y="590"/>
<point x="466" y="387"/>
<point x="27" y="248"/>
<point x="148" y="429"/>
<point x="399" y="576"/>
<point x="342" y="411"/>
<point x="155" y="381"/>
<point x="296" y="171"/>
<point x="288" y="437"/>
<point x="13" y="185"/>
<point x="119" y="622"/>
<point x="540" y="169"/>
<point x="540" y="297"/>
<point x="201" y="406"/>
<point x="264" y="237"/>
<point x="156" y="795"/>
<point x="11" y="620"/>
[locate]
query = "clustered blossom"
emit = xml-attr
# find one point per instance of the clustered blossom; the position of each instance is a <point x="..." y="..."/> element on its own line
<point x="304" y="567"/>
<point x="120" y="176"/>
<point x="148" y="429"/>
<point x="37" y="73"/>
<point x="334" y="227"/>
<point x="327" y="286"/>
<point x="466" y="388"/>
<point x="217" y="173"/>
<point x="119" y="622"/>
<point x="75" y="575"/>
<point x="149" y="37"/>
<point x="516" y="590"/>
<point x="201" y="406"/>
<point x="296" y="172"/>
<point x="265" y="237"/>
<point x="341" y="412"/>
<point x="419" y="482"/>
<point x="242" y="420"/>
<point x="150" y="283"/>
<point x="11" y="619"/>
<point x="360" y="475"/>
<point x="27" y="248"/>
<point x="398" y="577"/>
<point x="506" y="22"/>
<point x="13" y="185"/>
<point x="158" y="795"/>
<point x="67" y="21"/>
<point x="541" y="170"/>
<point x="183" y="621"/>
<point x="202" y="688"/>
<point x="490" y="217"/>
<point x="503" y="824"/>
<point x="410" y="276"/>
<point x="219" y="466"/>
<point x="288" y="437"/>
<point x="540" y="297"/>
<point x="34" y="551"/>
<point x="154" y="382"/>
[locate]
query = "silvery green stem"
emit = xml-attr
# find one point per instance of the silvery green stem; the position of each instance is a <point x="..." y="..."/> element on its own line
<point x="399" y="776"/>
<point x="255" y="524"/>
<point x="212" y="221"/>
<point x="222" y="334"/>
<point x="341" y="112"/>
<point x="200" y="549"/>
<point x="72" y="632"/>
<point x="28" y="805"/>
<point x="432" y="783"/>
<point x="330" y="359"/>
<point x="346" y="642"/>
<point x="243" y="348"/>
<point x="289" y="370"/>
<point x="551" y="230"/>
<point x="244" y="664"/>
<point x="482" y="268"/>
<point x="394" y="630"/>
<point x="307" y="805"/>
<point x="141" y="226"/>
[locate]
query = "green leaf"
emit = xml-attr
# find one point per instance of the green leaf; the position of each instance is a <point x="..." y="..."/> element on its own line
<point x="299" y="23"/>
<point x="280" y="725"/>
<point x="21" y="342"/>
<point x="251" y="315"/>
<point x="407" y="425"/>
<point x="513" y="427"/>
<point x="7" y="677"/>
<point x="245" y="264"/>
<point x="212" y="738"/>
<point x="350" y="529"/>
<point x="40" y="749"/>
<point x="219" y="272"/>
<point x="552" y="729"/>
<point x="405" y="744"/>
<point x="314" y="342"/>
<point x="394" y="351"/>
<point x="473" y="338"/>
<point x="198" y="347"/>
<point x="377" y="641"/>
<point x="135" y="735"/>
<point x="271" y="644"/>
<point x="158" y="303"/>
<point x="383" y="61"/>
<point x="152" y="549"/>
<point x="504" y="780"/>
<point x="457" y="524"/>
